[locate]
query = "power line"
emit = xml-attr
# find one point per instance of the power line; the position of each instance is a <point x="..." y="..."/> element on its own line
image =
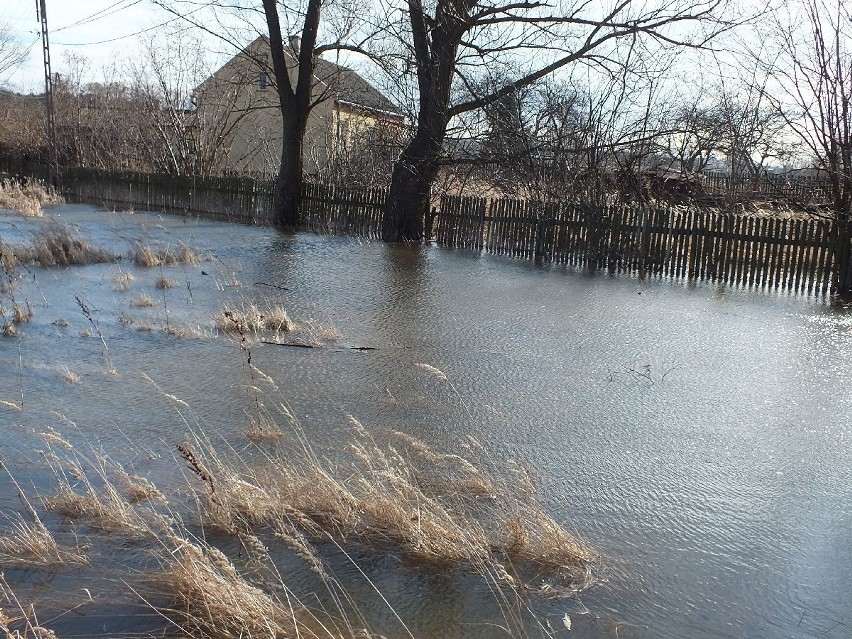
<point x="129" y="35"/>
<point x="107" y="11"/>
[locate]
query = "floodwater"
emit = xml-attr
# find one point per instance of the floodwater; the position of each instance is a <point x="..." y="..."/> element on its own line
<point x="697" y="436"/>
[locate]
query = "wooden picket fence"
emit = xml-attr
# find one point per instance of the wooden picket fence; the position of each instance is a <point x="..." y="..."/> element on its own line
<point x="332" y="209"/>
<point x="326" y="209"/>
<point x="240" y="199"/>
<point x="788" y="254"/>
<point x="800" y="189"/>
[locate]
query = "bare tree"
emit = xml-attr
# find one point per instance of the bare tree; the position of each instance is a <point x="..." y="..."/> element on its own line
<point x="292" y="32"/>
<point x="694" y="136"/>
<point x="813" y="70"/>
<point x="449" y="38"/>
<point x="751" y="131"/>
<point x="12" y="51"/>
<point x="101" y="124"/>
<point x="187" y="138"/>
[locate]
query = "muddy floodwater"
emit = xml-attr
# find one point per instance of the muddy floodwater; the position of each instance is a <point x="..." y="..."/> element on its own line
<point x="698" y="437"/>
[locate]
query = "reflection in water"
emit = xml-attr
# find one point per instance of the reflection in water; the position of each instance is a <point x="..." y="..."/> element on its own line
<point x="697" y="435"/>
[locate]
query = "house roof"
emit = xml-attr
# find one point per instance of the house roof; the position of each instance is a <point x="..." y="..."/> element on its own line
<point x="350" y="87"/>
<point x="344" y="84"/>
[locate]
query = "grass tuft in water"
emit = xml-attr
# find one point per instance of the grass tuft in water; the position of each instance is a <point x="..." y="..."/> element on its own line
<point x="143" y="301"/>
<point x="28" y="543"/>
<point x="164" y="283"/>
<point x="121" y="281"/>
<point x="27" y="199"/>
<point x="252" y="319"/>
<point x="147" y="256"/>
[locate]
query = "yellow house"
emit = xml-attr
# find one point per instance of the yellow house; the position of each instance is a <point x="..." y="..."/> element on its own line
<point x="237" y="110"/>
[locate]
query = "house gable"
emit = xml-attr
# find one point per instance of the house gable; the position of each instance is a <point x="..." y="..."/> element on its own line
<point x="244" y="88"/>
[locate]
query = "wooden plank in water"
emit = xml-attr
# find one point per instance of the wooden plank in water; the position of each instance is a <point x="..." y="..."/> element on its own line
<point x="828" y="257"/>
<point x="805" y="242"/>
<point x="813" y="271"/>
<point x="789" y="276"/>
<point x="766" y="247"/>
<point x="782" y="254"/>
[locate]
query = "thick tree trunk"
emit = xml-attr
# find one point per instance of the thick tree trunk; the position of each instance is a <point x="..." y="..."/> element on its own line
<point x="842" y="276"/>
<point x="287" y="196"/>
<point x="295" y="104"/>
<point x="410" y="195"/>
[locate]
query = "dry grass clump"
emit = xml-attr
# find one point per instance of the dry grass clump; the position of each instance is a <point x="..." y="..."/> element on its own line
<point x="22" y="314"/>
<point x="262" y="428"/>
<point x="101" y="506"/>
<point x="211" y="598"/>
<point x="59" y="246"/>
<point x="121" y="281"/>
<point x="32" y="544"/>
<point x="163" y="283"/>
<point x="146" y="256"/>
<point x="143" y="301"/>
<point x="138" y="488"/>
<point x="27" y="199"/>
<point x="533" y="536"/>
<point x="321" y="333"/>
<point x="8" y="257"/>
<point x="433" y="508"/>
<point x="18" y="621"/>
<point x="251" y="319"/>
<point x="444" y="472"/>
<point x="19" y="315"/>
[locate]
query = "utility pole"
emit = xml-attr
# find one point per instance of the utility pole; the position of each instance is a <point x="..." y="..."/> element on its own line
<point x="52" y="162"/>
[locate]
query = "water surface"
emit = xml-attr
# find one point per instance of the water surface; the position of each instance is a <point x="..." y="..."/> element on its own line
<point x="696" y="435"/>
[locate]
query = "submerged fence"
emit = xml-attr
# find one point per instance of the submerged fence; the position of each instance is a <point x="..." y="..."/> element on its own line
<point x="242" y="199"/>
<point x="801" y="255"/>
<point x="325" y="209"/>
<point x="791" y="254"/>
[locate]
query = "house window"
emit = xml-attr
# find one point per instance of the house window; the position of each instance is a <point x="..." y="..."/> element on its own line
<point x="262" y="81"/>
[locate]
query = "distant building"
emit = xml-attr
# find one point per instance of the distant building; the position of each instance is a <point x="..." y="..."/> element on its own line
<point x="238" y="105"/>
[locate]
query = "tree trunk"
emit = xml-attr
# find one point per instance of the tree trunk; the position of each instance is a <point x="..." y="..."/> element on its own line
<point x="287" y="196"/>
<point x="410" y="195"/>
<point x="295" y="106"/>
<point x="842" y="276"/>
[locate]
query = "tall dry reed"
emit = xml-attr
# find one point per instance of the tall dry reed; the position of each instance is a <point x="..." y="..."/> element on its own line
<point x="147" y="256"/>
<point x="27" y="199"/>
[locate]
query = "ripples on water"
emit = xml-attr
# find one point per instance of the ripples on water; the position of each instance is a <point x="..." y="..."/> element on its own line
<point x="697" y="435"/>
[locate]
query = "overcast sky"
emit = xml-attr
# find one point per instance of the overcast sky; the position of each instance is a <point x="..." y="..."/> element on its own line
<point x="101" y="30"/>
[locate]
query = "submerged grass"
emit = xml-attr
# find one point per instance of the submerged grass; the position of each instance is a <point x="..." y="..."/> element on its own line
<point x="147" y="256"/>
<point x="250" y="318"/>
<point x="17" y="620"/>
<point x="55" y="245"/>
<point x="30" y="543"/>
<point x="121" y="281"/>
<point x="433" y="508"/>
<point x="211" y="598"/>
<point x="27" y="199"/>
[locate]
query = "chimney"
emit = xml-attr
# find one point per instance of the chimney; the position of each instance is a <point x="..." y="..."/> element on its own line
<point x="295" y="43"/>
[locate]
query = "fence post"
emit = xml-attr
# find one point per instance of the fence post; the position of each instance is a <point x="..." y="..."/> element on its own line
<point x="645" y="241"/>
<point x="430" y="222"/>
<point x="538" y="253"/>
<point x="844" y="260"/>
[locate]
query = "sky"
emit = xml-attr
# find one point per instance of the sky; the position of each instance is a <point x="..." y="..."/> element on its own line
<point x="102" y="30"/>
